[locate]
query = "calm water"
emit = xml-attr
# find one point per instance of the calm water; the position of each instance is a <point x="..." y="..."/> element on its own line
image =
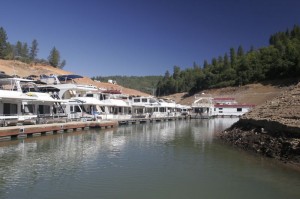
<point x="178" y="159"/>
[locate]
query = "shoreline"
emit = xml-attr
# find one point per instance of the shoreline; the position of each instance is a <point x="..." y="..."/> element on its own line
<point x="273" y="143"/>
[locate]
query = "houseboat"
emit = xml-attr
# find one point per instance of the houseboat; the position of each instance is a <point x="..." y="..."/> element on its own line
<point x="207" y="107"/>
<point x="17" y="107"/>
<point x="64" y="86"/>
<point x="229" y="107"/>
<point x="202" y="107"/>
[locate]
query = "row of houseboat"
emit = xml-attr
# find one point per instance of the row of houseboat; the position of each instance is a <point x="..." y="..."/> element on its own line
<point x="54" y="99"/>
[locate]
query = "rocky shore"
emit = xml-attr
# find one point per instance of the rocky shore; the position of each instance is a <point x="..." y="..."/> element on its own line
<point x="271" y="129"/>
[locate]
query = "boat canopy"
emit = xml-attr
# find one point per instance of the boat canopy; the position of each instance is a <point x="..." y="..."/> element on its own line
<point x="68" y="77"/>
<point x="86" y="100"/>
<point x="115" y="102"/>
<point x="44" y="97"/>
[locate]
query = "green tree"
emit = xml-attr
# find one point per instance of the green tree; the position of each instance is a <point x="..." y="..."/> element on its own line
<point x="205" y="64"/>
<point x="18" y="49"/>
<point x="24" y="51"/>
<point x="62" y="64"/>
<point x="176" y="72"/>
<point x="3" y="43"/>
<point x="226" y="61"/>
<point x="232" y="57"/>
<point x="33" y="50"/>
<point x="167" y="75"/>
<point x="54" y="57"/>
<point x="240" y="52"/>
<point x="9" y="52"/>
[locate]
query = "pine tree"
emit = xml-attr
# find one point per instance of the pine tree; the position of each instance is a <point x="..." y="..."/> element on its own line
<point x="205" y="64"/>
<point x="24" y="51"/>
<point x="226" y="61"/>
<point x="9" y="52"/>
<point x="33" y="50"/>
<point x="62" y="64"/>
<point x="240" y="52"/>
<point x="54" y="57"/>
<point x="3" y="43"/>
<point x="176" y="72"/>
<point x="232" y="57"/>
<point x="18" y="49"/>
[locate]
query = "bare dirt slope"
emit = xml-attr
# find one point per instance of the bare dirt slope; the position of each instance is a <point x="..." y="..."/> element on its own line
<point x="248" y="94"/>
<point x="24" y="70"/>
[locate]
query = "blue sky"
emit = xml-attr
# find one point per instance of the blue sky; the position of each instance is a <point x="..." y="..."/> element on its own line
<point x="144" y="37"/>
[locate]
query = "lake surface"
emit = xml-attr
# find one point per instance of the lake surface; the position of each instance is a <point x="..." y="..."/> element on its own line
<point x="177" y="159"/>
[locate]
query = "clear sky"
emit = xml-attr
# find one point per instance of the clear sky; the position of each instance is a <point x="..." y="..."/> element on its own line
<point x="143" y="37"/>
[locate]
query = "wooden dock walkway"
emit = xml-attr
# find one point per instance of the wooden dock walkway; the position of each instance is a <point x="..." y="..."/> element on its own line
<point x="11" y="132"/>
<point x="24" y="131"/>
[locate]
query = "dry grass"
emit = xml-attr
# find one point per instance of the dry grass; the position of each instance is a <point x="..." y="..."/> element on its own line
<point x="24" y="70"/>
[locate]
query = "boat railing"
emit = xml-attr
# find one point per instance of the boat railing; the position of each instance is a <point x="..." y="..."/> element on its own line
<point x="9" y="120"/>
<point x="51" y="118"/>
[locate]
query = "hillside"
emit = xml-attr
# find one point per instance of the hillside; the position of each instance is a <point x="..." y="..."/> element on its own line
<point x="248" y="94"/>
<point x="146" y="84"/>
<point x="23" y="70"/>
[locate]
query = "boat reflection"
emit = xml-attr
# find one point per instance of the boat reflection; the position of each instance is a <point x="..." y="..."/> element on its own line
<point x="55" y="156"/>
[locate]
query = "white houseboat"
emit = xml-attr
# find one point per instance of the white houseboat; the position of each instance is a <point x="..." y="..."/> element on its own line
<point x="229" y="107"/>
<point x="207" y="106"/>
<point x="202" y="107"/>
<point x="25" y="108"/>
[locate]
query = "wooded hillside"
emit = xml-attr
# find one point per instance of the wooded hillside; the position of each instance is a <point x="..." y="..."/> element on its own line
<point x="281" y="59"/>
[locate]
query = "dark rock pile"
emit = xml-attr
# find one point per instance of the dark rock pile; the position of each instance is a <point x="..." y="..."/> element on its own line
<point x="272" y="129"/>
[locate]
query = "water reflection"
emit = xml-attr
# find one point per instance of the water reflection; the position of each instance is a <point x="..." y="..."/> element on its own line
<point x="116" y="163"/>
<point x="53" y="157"/>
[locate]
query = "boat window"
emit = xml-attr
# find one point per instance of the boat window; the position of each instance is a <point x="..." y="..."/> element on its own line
<point x="10" y="109"/>
<point x="28" y="108"/>
<point x="77" y="109"/>
<point x="44" y="109"/>
<point x="144" y="99"/>
<point x="136" y="100"/>
<point x="90" y="95"/>
<point x="83" y="108"/>
<point x="239" y="109"/>
<point x="162" y="109"/>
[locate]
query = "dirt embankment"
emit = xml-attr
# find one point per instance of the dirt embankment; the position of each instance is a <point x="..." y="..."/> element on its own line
<point x="249" y="94"/>
<point x="271" y="129"/>
<point x="23" y="70"/>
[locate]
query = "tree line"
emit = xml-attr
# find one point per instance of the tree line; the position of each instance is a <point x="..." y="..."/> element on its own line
<point x="281" y="59"/>
<point x="146" y="84"/>
<point x="28" y="54"/>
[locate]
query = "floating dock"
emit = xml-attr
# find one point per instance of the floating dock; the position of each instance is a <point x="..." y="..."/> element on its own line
<point x="8" y="133"/>
<point x="25" y="131"/>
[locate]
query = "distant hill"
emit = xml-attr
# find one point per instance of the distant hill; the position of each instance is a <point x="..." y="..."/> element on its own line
<point x="21" y="69"/>
<point x="145" y="84"/>
<point x="256" y="94"/>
